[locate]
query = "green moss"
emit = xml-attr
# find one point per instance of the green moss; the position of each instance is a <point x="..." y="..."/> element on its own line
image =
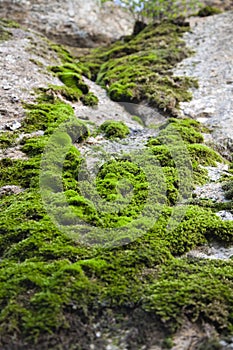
<point x="63" y="54"/>
<point x="5" y="25"/>
<point x="4" y="34"/>
<point x="184" y="133"/>
<point x="68" y="93"/>
<point x="53" y="273"/>
<point x="50" y="281"/>
<point x="43" y="116"/>
<point x="90" y="99"/>
<point x="208" y="11"/>
<point x="34" y="146"/>
<point x="187" y="130"/>
<point x="9" y="23"/>
<point x="75" y="89"/>
<point x="114" y="129"/>
<point x="48" y="115"/>
<point x="139" y="69"/>
<point x="195" y="290"/>
<point x="228" y="188"/>
<point x="7" y="139"/>
<point x="168" y="343"/>
<point x="138" y="120"/>
<point x="203" y="155"/>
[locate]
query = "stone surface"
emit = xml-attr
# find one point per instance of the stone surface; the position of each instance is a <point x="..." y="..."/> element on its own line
<point x="221" y="4"/>
<point x="213" y="189"/>
<point x="23" y="65"/>
<point x="75" y="23"/>
<point x="212" y="40"/>
<point x="9" y="190"/>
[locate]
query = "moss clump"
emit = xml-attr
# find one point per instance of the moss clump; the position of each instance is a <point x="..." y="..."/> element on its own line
<point x="138" y="120"/>
<point x="195" y="288"/>
<point x="228" y="188"/>
<point x="187" y="130"/>
<point x="4" y="34"/>
<point x="48" y="115"/>
<point x="139" y="68"/>
<point x="9" y="23"/>
<point x="19" y="172"/>
<point x="89" y="99"/>
<point x="5" y="25"/>
<point x="68" y="93"/>
<point x="208" y="11"/>
<point x="34" y="146"/>
<point x="63" y="54"/>
<point x="7" y="139"/>
<point x="183" y="138"/>
<point x="75" y="89"/>
<point x="113" y="129"/>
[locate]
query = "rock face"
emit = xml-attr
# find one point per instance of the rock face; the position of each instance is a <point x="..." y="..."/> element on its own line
<point x="223" y="5"/>
<point x="75" y="23"/>
<point x="21" y="73"/>
<point x="212" y="40"/>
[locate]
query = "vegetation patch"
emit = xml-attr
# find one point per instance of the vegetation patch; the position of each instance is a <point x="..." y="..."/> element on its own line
<point x="4" y="34"/>
<point x="196" y="288"/>
<point x="9" y="23"/>
<point x="46" y="276"/>
<point x="50" y="280"/>
<point x="185" y="138"/>
<point x="7" y="139"/>
<point x="138" y="68"/>
<point x="5" y="26"/>
<point x="75" y="89"/>
<point x="208" y="11"/>
<point x="113" y="129"/>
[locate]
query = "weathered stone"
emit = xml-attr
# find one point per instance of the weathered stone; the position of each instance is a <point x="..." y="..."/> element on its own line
<point x="9" y="190"/>
<point x="74" y="23"/>
<point x="212" y="39"/>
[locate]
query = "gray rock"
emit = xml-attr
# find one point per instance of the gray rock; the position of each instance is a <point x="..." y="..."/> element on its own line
<point x="13" y="126"/>
<point x="212" y="39"/>
<point x="14" y="99"/>
<point x="222" y="343"/>
<point x="225" y="215"/>
<point x="75" y="23"/>
<point x="9" y="190"/>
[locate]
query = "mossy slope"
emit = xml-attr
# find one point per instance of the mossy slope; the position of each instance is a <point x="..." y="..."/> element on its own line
<point x="51" y="282"/>
<point x="138" y="68"/>
<point x="48" y="279"/>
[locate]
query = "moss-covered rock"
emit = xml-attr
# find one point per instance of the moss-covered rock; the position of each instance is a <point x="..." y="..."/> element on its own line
<point x="5" y="26"/>
<point x="138" y="68"/>
<point x="51" y="282"/>
<point x="7" y="139"/>
<point x="114" y="129"/>
<point x="75" y="89"/>
<point x="208" y="11"/>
